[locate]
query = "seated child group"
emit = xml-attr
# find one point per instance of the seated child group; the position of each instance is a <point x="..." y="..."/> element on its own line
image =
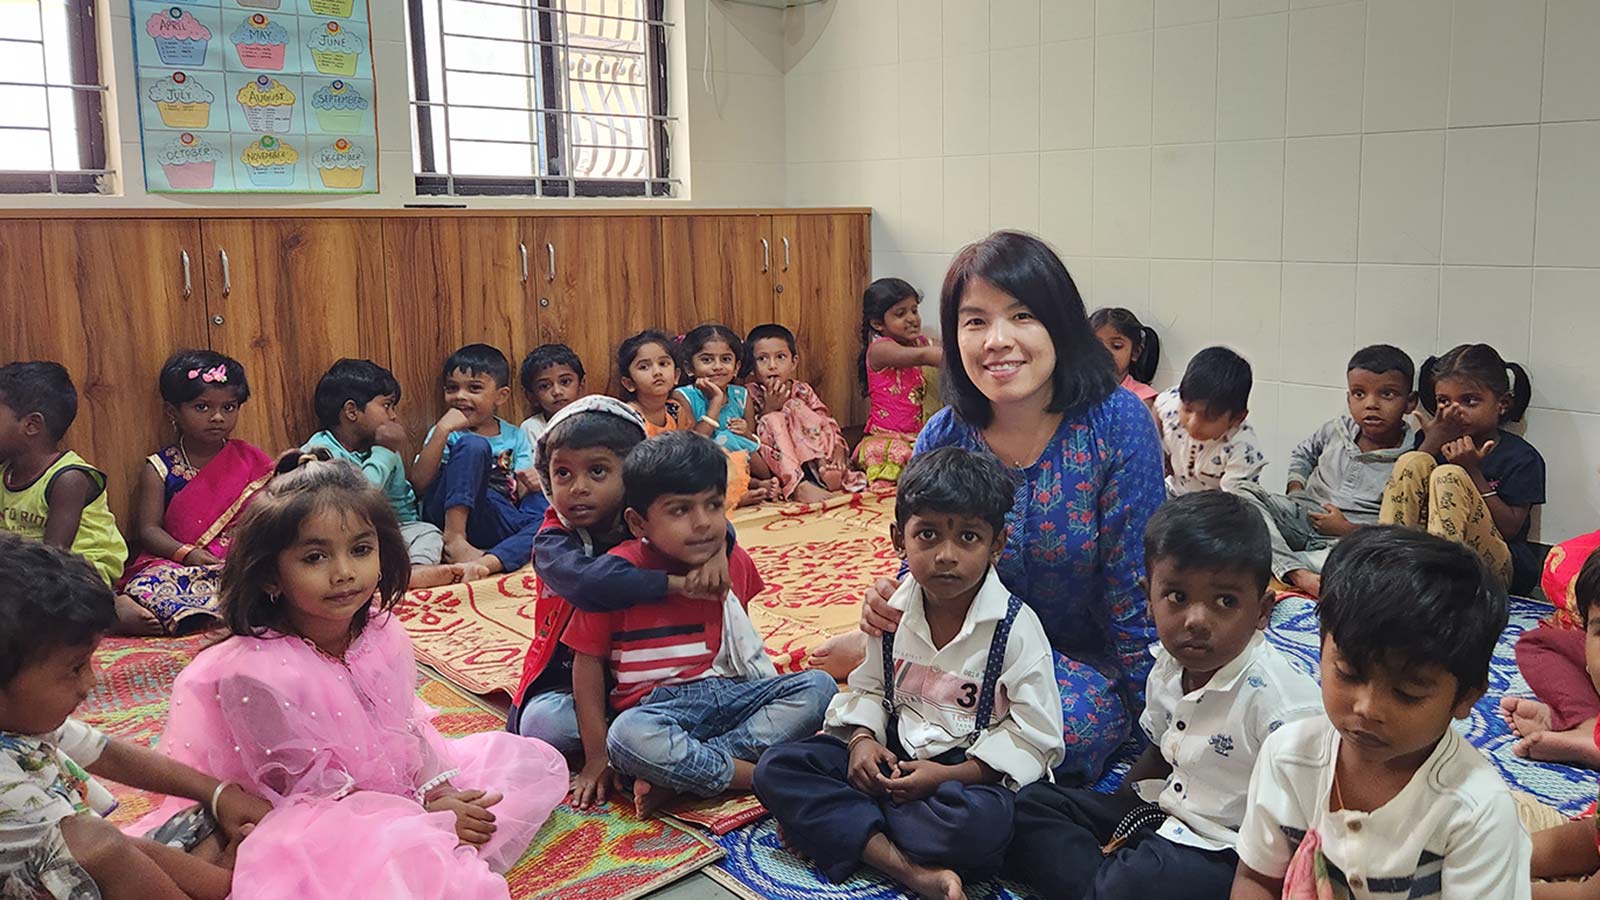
<point x="299" y="763"/>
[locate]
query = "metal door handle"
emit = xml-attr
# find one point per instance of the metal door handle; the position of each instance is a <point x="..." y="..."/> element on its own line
<point x="786" y="253"/>
<point x="227" y="276"/>
<point x="550" y="249"/>
<point x="188" y="283"/>
<point x="524" y="248"/>
<point x="766" y="255"/>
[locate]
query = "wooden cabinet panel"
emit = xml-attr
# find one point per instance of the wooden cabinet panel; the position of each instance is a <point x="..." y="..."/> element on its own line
<point x="110" y="306"/>
<point x="821" y="264"/>
<point x="716" y="269"/>
<point x="606" y="286"/>
<point x="21" y="292"/>
<point x="294" y="296"/>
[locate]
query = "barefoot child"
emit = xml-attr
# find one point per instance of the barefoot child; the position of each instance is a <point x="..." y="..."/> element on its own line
<point x="311" y="701"/>
<point x="800" y="441"/>
<point x="709" y="403"/>
<point x="945" y="719"/>
<point x="1217" y="690"/>
<point x="696" y="697"/>
<point x="1134" y="347"/>
<point x="49" y="494"/>
<point x="893" y="352"/>
<point x="1554" y="660"/>
<point x="190" y="497"/>
<point x="1383" y="798"/>
<point x="53" y="842"/>
<point x="355" y="403"/>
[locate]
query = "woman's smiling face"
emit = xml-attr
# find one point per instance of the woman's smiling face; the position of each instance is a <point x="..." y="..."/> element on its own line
<point x="1005" y="348"/>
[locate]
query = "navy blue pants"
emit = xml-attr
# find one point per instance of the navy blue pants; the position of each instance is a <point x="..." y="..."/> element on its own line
<point x="495" y="525"/>
<point x="1056" y="849"/>
<point x="806" y="786"/>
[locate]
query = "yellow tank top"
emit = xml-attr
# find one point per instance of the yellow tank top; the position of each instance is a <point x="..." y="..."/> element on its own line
<point x="25" y="510"/>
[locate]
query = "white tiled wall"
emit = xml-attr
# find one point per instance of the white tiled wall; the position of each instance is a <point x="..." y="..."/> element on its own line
<point x="1296" y="178"/>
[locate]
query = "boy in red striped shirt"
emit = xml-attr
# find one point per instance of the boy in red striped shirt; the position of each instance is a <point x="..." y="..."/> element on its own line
<point x="696" y="698"/>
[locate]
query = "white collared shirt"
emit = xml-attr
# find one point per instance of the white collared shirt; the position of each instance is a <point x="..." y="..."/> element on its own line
<point x="936" y="688"/>
<point x="1451" y="832"/>
<point x="1211" y="737"/>
<point x="1217" y="464"/>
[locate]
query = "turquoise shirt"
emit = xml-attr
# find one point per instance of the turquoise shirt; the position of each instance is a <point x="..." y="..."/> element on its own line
<point x="382" y="467"/>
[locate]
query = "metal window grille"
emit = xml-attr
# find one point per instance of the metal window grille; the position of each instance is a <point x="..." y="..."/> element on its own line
<point x="558" y="98"/>
<point x="52" y="132"/>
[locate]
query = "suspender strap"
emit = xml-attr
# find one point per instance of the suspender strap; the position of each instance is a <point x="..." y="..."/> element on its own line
<point x="993" y="666"/>
<point x="888" y="677"/>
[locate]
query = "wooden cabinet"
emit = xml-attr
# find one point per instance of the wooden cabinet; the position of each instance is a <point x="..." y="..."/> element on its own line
<point x="598" y="282"/>
<point x="717" y="269"/>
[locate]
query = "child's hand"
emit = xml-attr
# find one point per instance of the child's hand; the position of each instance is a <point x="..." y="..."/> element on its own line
<point x="474" y="822"/>
<point x="238" y="810"/>
<point x="593" y="783"/>
<point x="865" y="773"/>
<point x="716" y="397"/>
<point x="1466" y="453"/>
<point x="452" y="421"/>
<point x="915" y="780"/>
<point x="776" y="394"/>
<point x="200" y="556"/>
<point x="1331" y="522"/>
<point x="528" y="482"/>
<point x="391" y="435"/>
<point x="739" y="425"/>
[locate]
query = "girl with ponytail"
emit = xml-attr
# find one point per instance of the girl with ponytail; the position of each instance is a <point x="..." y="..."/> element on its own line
<point x="1134" y="347"/>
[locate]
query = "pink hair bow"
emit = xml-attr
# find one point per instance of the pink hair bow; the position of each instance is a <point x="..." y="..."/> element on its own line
<point x="217" y="374"/>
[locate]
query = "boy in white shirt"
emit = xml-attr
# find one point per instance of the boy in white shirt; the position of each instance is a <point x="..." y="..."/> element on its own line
<point x="1383" y="799"/>
<point x="945" y="719"/>
<point x="1215" y="693"/>
<point x="1208" y="443"/>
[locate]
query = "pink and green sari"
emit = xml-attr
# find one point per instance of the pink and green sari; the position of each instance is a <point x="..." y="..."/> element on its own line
<point x="202" y="505"/>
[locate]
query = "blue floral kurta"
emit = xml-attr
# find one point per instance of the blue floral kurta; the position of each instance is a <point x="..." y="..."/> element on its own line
<point x="1075" y="554"/>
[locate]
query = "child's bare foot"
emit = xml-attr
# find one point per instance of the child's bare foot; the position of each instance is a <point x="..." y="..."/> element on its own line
<point x="1526" y="717"/>
<point x="650" y="799"/>
<point x="806" y="492"/>
<point x="753" y="497"/>
<point x="935" y="884"/>
<point x="433" y="576"/>
<point x="1575" y="746"/>
<point x="840" y="654"/>
<point x="134" y="620"/>
<point x="460" y="550"/>
<point x="1306" y="582"/>
<point x="832" y="478"/>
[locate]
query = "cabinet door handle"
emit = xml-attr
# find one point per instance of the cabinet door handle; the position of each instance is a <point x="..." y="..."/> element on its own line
<point x="524" y="248"/>
<point x="550" y="249"/>
<point x="188" y="282"/>
<point x="227" y="276"/>
<point x="766" y="255"/>
<point x="786" y="253"/>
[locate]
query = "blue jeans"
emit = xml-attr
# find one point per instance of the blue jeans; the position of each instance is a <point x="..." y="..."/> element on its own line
<point x="551" y="718"/>
<point x="495" y="525"/>
<point x="685" y="737"/>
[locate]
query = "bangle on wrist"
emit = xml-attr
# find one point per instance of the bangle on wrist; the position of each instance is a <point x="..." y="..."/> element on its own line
<point x="182" y="553"/>
<point x="858" y="738"/>
<point x="216" y="795"/>
<point x="1489" y="493"/>
<point x="707" y="420"/>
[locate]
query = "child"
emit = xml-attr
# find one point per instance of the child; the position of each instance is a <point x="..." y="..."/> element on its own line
<point x="54" y="842"/>
<point x="46" y="493"/>
<point x="893" y="352"/>
<point x="696" y="698"/>
<point x="945" y="719"/>
<point x="1559" y="726"/>
<point x="552" y="377"/>
<point x="312" y="703"/>
<point x="1383" y="798"/>
<point x="475" y="470"/>
<point x="1134" y="347"/>
<point x="1215" y="693"/>
<point x="710" y="404"/>
<point x="355" y="403"/>
<point x="1470" y="479"/>
<point x="801" y="443"/>
<point x="190" y="496"/>
<point x="1209" y="444"/>
<point x="1337" y="476"/>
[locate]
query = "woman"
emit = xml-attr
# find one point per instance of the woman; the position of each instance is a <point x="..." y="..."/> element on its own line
<point x="1030" y="383"/>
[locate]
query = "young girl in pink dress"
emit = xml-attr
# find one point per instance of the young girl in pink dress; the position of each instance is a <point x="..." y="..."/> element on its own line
<point x="1134" y="347"/>
<point x="893" y="352"/>
<point x="800" y="440"/>
<point x="311" y="704"/>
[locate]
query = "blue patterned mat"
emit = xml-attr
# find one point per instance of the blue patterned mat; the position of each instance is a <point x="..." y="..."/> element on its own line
<point x="758" y="866"/>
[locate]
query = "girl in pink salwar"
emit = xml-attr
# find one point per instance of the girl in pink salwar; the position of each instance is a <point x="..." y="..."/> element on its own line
<point x="893" y="352"/>
<point x="190" y="496"/>
<point x="800" y="440"/>
<point x="311" y="704"/>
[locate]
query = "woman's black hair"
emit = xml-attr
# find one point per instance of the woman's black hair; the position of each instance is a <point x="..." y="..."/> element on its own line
<point x="880" y="297"/>
<point x="189" y="373"/>
<point x="1146" y="343"/>
<point x="1482" y="364"/>
<point x="305" y="483"/>
<point x="629" y="349"/>
<point x="1025" y="267"/>
<point x="698" y="337"/>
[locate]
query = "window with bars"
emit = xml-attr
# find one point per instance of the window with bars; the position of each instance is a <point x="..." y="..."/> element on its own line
<point x="561" y="98"/>
<point x="52" y="133"/>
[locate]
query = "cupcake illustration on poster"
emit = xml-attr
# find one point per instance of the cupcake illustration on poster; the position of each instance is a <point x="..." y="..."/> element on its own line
<point x="181" y="101"/>
<point x="179" y="37"/>
<point x="189" y="163"/>
<point x="340" y="108"/>
<point x="268" y="105"/>
<point x="260" y="43"/>
<point x="335" y="50"/>
<point x="342" y="166"/>
<point x="270" y="162"/>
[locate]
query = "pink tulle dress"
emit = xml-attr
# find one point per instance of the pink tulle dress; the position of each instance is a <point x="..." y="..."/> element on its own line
<point x="339" y="750"/>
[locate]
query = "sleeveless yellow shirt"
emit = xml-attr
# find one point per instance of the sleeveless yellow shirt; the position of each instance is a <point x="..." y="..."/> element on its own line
<point x="25" y="510"/>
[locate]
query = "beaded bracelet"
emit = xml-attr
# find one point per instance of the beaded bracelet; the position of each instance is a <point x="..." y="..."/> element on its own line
<point x="431" y="783"/>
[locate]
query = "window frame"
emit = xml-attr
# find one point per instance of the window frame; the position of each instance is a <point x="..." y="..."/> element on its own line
<point x="446" y="184"/>
<point x="88" y="93"/>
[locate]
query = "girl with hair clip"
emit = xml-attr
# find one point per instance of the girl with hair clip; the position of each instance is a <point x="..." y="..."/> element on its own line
<point x="1469" y="479"/>
<point x="1134" y="346"/>
<point x="190" y="496"/>
<point x="310" y="702"/>
<point x="893" y="352"/>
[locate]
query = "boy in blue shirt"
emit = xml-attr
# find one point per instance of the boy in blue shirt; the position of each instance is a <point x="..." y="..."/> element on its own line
<point x="355" y="403"/>
<point x="475" y="470"/>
